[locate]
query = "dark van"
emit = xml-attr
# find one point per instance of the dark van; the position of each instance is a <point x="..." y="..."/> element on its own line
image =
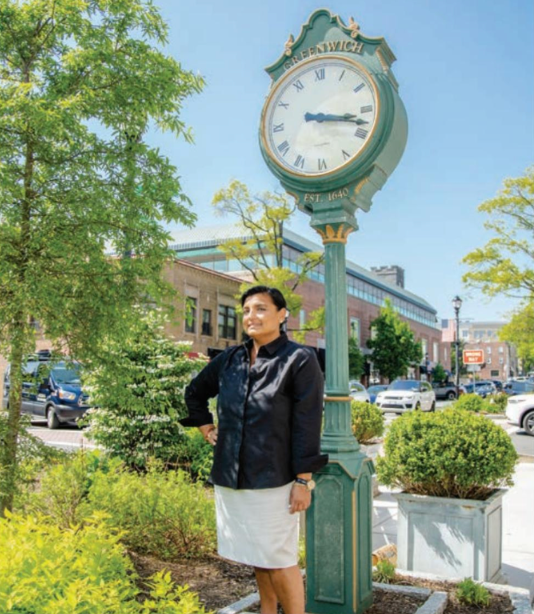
<point x="50" y="390"/>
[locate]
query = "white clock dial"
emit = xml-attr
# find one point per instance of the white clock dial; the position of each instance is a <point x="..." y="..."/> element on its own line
<point x="320" y="116"/>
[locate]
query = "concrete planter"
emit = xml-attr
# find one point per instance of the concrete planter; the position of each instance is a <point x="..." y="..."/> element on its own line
<point x="451" y="537"/>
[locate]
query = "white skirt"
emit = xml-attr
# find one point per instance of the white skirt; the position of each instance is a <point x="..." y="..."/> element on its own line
<point x="255" y="527"/>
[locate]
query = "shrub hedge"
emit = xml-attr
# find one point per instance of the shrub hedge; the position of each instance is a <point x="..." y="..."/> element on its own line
<point x="367" y="421"/>
<point x="453" y="453"/>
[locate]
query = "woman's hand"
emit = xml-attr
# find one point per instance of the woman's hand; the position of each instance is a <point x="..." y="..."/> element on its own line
<point x="209" y="432"/>
<point x="299" y="499"/>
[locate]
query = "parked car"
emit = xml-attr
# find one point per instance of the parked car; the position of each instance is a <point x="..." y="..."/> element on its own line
<point x="498" y="384"/>
<point x="358" y="392"/>
<point x="405" y="395"/>
<point x="374" y="390"/>
<point x="50" y="390"/>
<point x="515" y="386"/>
<point x="482" y="388"/>
<point x="444" y="391"/>
<point x="520" y="411"/>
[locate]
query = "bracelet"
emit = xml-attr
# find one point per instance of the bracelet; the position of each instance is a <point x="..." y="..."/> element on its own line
<point x="301" y="481"/>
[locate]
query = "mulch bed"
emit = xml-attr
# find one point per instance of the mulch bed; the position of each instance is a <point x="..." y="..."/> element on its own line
<point x="219" y="583"/>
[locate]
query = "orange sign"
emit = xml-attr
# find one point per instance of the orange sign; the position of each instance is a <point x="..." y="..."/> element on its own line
<point x="473" y="357"/>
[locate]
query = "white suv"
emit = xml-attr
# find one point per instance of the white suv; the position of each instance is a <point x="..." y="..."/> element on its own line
<point x="405" y="395"/>
<point x="520" y="411"/>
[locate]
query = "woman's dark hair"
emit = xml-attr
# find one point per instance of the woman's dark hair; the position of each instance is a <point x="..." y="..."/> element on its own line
<point x="276" y="296"/>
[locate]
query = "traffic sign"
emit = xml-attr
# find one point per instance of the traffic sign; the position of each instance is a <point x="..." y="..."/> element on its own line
<point x="473" y="357"/>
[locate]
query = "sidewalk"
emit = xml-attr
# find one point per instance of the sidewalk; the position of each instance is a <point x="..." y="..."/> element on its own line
<point x="518" y="531"/>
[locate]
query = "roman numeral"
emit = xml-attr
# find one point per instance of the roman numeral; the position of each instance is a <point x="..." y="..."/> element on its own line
<point x="367" y="109"/>
<point x="361" y="133"/>
<point x="359" y="87"/>
<point x="299" y="162"/>
<point x="319" y="74"/>
<point x="283" y="148"/>
<point x="298" y="84"/>
<point x="278" y="127"/>
<point x="321" y="163"/>
<point x="341" y="76"/>
<point x="346" y="155"/>
<point x="284" y="104"/>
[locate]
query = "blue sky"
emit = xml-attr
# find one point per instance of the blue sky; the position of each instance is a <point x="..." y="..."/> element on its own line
<point x="465" y="69"/>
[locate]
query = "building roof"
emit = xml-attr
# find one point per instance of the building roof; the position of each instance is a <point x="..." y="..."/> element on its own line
<point x="211" y="236"/>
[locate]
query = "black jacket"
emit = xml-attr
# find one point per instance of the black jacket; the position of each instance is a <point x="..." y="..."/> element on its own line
<point x="269" y="415"/>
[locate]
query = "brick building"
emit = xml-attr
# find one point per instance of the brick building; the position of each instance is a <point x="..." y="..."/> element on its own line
<point x="366" y="290"/>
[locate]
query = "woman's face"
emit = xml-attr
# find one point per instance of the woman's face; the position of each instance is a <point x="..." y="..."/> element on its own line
<point x="262" y="318"/>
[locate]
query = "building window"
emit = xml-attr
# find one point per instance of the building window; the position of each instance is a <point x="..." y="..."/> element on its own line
<point x="495" y="373"/>
<point x="445" y="357"/>
<point x="488" y="360"/>
<point x="488" y="350"/>
<point x="435" y="351"/>
<point x="206" y="322"/>
<point x="190" y="315"/>
<point x="501" y="350"/>
<point x="501" y="360"/>
<point x="227" y="322"/>
<point x="355" y="329"/>
<point x="302" y="319"/>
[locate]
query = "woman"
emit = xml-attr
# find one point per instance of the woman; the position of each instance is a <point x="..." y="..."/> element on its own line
<point x="267" y="444"/>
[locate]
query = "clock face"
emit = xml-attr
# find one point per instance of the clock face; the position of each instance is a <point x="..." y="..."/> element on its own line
<point x="320" y="116"/>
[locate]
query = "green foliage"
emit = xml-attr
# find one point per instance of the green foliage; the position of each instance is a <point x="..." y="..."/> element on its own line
<point x="138" y="391"/>
<point x="367" y="421"/>
<point x="356" y="359"/>
<point x="78" y="180"/>
<point x="470" y="592"/>
<point x="505" y="265"/>
<point x="454" y="453"/>
<point x="384" y="572"/>
<point x="471" y="402"/>
<point x="262" y="218"/>
<point x="394" y="346"/>
<point x="519" y="332"/>
<point x="81" y="570"/>
<point x="496" y="403"/>
<point x="164" y="514"/>
<point x="195" y="455"/>
<point x="439" y="374"/>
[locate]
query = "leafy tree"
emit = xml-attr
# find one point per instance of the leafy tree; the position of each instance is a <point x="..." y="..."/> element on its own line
<point x="81" y="82"/>
<point x="438" y="373"/>
<point x="505" y="265"/>
<point x="262" y="217"/>
<point x="394" y="346"/>
<point x="137" y="387"/>
<point x="356" y="360"/>
<point x="519" y="331"/>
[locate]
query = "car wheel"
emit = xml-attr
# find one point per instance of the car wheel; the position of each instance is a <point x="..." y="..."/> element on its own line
<point x="52" y="421"/>
<point x="433" y="406"/>
<point x="418" y="406"/>
<point x="528" y="422"/>
<point x="451" y="395"/>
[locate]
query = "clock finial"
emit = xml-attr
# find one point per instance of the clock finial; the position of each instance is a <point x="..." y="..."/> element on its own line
<point x="288" y="45"/>
<point x="354" y="27"/>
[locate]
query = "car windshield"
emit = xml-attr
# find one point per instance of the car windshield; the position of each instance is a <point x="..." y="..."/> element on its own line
<point x="405" y="385"/>
<point x="355" y="386"/>
<point x="66" y="375"/>
<point x="376" y="388"/>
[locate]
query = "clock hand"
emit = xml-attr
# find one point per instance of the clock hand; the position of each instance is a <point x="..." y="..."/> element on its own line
<point x="329" y="117"/>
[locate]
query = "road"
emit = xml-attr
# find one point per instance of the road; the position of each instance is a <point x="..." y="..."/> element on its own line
<point x="72" y="438"/>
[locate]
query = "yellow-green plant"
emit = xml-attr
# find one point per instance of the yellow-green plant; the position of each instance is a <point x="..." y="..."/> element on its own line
<point x="472" y="593"/>
<point x="367" y="421"/>
<point x="384" y="572"/>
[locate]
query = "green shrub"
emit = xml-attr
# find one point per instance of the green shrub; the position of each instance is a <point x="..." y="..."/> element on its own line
<point x="497" y="403"/>
<point x="83" y="570"/>
<point x="471" y="402"/>
<point x="367" y="421"/>
<point x="64" y="486"/>
<point x="384" y="572"/>
<point x="453" y="453"/>
<point x="471" y="593"/>
<point x="195" y="455"/>
<point x="161" y="513"/>
<point x="137" y="389"/>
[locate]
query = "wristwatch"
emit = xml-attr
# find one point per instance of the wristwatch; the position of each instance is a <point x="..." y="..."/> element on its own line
<point x="310" y="484"/>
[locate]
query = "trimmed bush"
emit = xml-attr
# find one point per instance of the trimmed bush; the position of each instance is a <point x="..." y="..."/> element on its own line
<point x="471" y="402"/>
<point x="83" y="570"/>
<point x="497" y="403"/>
<point x="454" y="453"/>
<point x="163" y="514"/>
<point x="367" y="421"/>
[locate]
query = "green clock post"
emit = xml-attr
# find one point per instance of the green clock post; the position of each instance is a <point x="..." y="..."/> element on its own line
<point x="333" y="128"/>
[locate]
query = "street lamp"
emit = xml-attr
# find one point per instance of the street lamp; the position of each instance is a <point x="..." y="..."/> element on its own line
<point x="457" y="305"/>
